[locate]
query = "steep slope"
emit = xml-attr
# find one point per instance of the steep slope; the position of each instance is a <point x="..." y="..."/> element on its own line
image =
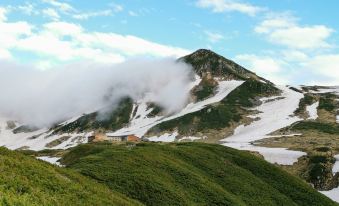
<point x="191" y="174"/>
<point x="217" y="121"/>
<point x="27" y="181"/>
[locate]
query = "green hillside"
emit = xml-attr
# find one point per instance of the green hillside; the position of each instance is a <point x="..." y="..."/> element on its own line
<point x="26" y="181"/>
<point x="190" y="174"/>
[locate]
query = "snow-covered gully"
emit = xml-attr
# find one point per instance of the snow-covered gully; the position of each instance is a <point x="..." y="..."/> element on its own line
<point x="273" y="115"/>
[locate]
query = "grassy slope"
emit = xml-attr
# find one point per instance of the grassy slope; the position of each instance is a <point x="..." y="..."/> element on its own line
<point x="191" y="174"/>
<point x="27" y="181"/>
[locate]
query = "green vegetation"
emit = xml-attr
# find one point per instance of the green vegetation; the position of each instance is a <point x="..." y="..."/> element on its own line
<point x="319" y="170"/>
<point x="25" y="129"/>
<point x="328" y="128"/>
<point x="207" y="61"/>
<point x="156" y="110"/>
<point x="191" y="174"/>
<point x="316" y="168"/>
<point x="26" y="181"/>
<point x="205" y="89"/>
<point x="119" y="117"/>
<point x="211" y="117"/>
<point x="328" y="102"/>
<point x="305" y="101"/>
<point x="247" y="94"/>
<point x="58" y="141"/>
<point x="10" y="124"/>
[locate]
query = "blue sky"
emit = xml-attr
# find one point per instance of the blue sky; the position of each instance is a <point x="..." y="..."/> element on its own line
<point x="286" y="41"/>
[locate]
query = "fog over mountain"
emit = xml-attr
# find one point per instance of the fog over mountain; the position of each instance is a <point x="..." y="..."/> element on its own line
<point x="41" y="98"/>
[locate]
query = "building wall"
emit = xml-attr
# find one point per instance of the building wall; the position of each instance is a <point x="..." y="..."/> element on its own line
<point x="99" y="137"/>
<point x="115" y="139"/>
<point x="132" y="138"/>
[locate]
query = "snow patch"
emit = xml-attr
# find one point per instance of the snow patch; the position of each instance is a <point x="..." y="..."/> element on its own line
<point x="273" y="115"/>
<point x="335" y="168"/>
<point x="313" y="111"/>
<point x="332" y="194"/>
<point x="164" y="138"/>
<point x="37" y="140"/>
<point x="52" y="160"/>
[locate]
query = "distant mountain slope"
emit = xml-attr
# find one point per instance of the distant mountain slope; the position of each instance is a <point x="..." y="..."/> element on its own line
<point x="191" y="174"/>
<point x="224" y="115"/>
<point x="28" y="181"/>
<point x="209" y="66"/>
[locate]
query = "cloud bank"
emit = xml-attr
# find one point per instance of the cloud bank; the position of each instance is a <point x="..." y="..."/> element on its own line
<point x="41" y="98"/>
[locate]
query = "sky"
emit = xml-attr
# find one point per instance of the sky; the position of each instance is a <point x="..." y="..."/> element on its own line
<point x="285" y="41"/>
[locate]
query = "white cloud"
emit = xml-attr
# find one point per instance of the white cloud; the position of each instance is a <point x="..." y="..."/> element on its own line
<point x="3" y="12"/>
<point x="12" y="32"/>
<point x="63" y="28"/>
<point x="325" y="65"/>
<point x="294" y="56"/>
<point x="5" y="54"/>
<point x="50" y="42"/>
<point x="213" y="37"/>
<point x="294" y="67"/>
<point x="132" y="13"/>
<point x="219" y="6"/>
<point x="47" y="97"/>
<point x="84" y="16"/>
<point x="63" y="41"/>
<point x="51" y="13"/>
<point x="65" y="7"/>
<point x="116" y="7"/>
<point x="285" y="30"/>
<point x="28" y="9"/>
<point x="265" y="66"/>
<point x="129" y="45"/>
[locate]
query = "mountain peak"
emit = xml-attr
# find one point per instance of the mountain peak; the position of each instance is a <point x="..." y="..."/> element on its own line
<point x="206" y="61"/>
<point x="204" y="52"/>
